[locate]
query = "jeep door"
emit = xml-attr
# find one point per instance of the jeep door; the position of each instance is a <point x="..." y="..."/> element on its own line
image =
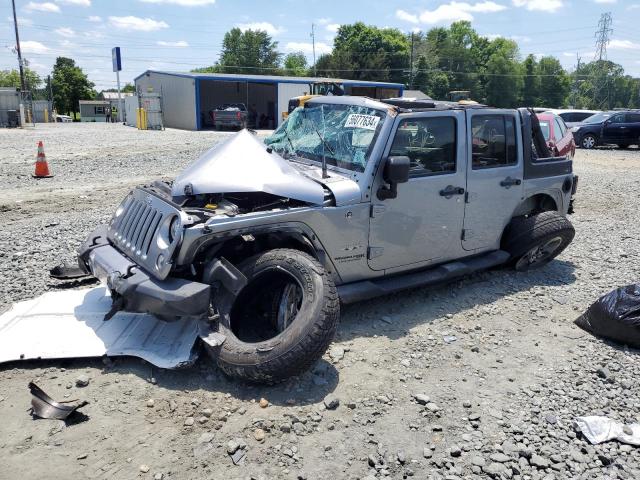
<point x="494" y="177"/>
<point x="422" y="225"/>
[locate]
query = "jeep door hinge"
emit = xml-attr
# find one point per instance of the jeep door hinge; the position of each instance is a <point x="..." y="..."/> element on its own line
<point x="377" y="210"/>
<point x="466" y="198"/>
<point x="374" y="252"/>
<point x="466" y="234"/>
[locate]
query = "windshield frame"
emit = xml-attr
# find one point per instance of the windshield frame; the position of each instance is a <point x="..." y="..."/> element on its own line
<point x="332" y="162"/>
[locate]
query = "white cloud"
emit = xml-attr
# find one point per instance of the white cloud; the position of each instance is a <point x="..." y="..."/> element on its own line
<point x="568" y="54"/>
<point x="333" y="27"/>
<point x="42" y="7"/>
<point x="623" y="45"/>
<point x="94" y="18"/>
<point x="77" y="3"/>
<point x="22" y="21"/>
<point x="539" y="5"/>
<point x="516" y="38"/>
<point x="406" y="16"/>
<point x="265" y="26"/>
<point x="454" y="11"/>
<point x="307" y="47"/>
<point x="31" y="46"/>
<point x="136" y="23"/>
<point x="605" y="1"/>
<point x="178" y="44"/>
<point x="538" y="55"/>
<point x="323" y="21"/>
<point x="633" y="6"/>
<point x="183" y="3"/>
<point x="65" y="32"/>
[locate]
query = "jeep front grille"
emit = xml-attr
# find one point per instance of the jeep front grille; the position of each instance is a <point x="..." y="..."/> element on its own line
<point x="140" y="229"/>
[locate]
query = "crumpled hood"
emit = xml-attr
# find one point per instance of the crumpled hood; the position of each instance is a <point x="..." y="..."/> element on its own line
<point x="242" y="164"/>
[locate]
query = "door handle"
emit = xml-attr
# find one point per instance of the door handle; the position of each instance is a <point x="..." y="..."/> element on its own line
<point x="450" y="191"/>
<point x="509" y="182"/>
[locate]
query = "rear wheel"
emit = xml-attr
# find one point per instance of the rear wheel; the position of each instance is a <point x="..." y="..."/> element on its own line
<point x="589" y="141"/>
<point x="536" y="240"/>
<point x="281" y="322"/>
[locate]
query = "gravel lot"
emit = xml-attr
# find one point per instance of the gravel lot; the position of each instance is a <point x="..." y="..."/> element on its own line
<point x="501" y="399"/>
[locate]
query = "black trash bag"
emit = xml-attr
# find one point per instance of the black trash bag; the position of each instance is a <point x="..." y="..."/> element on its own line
<point x="615" y="316"/>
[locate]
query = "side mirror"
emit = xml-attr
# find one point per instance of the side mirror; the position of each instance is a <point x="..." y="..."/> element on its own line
<point x="396" y="170"/>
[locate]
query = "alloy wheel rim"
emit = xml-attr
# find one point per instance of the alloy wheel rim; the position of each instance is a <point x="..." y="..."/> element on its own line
<point x="540" y="253"/>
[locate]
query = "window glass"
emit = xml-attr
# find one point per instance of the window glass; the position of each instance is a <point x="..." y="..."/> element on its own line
<point x="493" y="141"/>
<point x="633" y="117"/>
<point x="560" y="129"/>
<point x="618" y="118"/>
<point x="430" y="144"/>
<point x="544" y="126"/>
<point x="569" y="117"/>
<point x="99" y="110"/>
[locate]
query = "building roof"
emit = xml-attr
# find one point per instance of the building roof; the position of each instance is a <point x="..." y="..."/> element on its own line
<point x="114" y="95"/>
<point x="270" y="78"/>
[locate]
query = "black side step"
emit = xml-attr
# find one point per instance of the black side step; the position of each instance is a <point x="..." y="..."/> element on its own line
<point x="358" y="291"/>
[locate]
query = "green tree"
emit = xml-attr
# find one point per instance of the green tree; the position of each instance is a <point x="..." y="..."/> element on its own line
<point x="530" y="90"/>
<point x="365" y="52"/>
<point x="70" y="85"/>
<point x="11" y="78"/>
<point x="504" y="75"/>
<point x="295" y="64"/>
<point x="554" y="83"/>
<point x="251" y="51"/>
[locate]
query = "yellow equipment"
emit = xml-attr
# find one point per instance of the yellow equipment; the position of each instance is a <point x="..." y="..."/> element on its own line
<point x="463" y="97"/>
<point x="317" y="89"/>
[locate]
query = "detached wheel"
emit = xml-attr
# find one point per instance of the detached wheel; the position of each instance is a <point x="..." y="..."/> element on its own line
<point x="589" y="141"/>
<point x="536" y="240"/>
<point x="281" y="322"/>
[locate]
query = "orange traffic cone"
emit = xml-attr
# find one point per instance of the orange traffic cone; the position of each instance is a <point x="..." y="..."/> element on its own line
<point x="42" y="167"/>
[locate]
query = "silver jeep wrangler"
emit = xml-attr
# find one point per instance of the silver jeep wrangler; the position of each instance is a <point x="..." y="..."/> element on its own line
<point x="349" y="199"/>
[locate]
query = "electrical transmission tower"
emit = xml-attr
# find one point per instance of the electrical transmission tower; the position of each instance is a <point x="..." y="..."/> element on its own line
<point x="601" y="82"/>
<point x="602" y="36"/>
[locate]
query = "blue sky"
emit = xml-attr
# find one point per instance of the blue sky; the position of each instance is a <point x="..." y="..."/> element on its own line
<point x="181" y="34"/>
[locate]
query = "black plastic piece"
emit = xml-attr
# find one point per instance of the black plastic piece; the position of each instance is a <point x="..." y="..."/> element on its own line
<point x="451" y="191"/>
<point x="396" y="170"/>
<point x="223" y="271"/>
<point x="43" y="406"/>
<point x="358" y="291"/>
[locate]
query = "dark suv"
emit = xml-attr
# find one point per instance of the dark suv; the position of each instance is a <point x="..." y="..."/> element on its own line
<point x="620" y="128"/>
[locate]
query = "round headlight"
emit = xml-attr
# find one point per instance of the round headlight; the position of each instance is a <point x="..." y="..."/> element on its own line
<point x="175" y="229"/>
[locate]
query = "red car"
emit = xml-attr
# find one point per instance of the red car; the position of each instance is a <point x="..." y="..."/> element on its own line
<point x="558" y="136"/>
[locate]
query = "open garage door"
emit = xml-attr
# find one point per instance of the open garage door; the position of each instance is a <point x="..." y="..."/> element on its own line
<point x="259" y="98"/>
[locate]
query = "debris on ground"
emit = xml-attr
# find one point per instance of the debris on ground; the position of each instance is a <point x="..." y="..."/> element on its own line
<point x="615" y="316"/>
<point x="43" y="406"/>
<point x="602" y="429"/>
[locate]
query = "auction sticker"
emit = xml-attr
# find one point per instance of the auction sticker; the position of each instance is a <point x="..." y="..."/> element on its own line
<point x="356" y="120"/>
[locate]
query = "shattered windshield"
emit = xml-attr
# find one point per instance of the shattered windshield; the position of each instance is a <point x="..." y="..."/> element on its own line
<point x="343" y="134"/>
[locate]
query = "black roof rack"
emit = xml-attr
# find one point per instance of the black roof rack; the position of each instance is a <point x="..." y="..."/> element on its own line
<point x="421" y="105"/>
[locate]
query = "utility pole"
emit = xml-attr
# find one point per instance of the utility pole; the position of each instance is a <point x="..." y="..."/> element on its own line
<point x="411" y="64"/>
<point x="313" y="43"/>
<point x="15" y="24"/>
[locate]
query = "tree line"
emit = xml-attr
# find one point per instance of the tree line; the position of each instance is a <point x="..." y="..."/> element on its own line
<point x="436" y="62"/>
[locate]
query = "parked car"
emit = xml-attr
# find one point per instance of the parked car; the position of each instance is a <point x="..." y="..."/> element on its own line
<point x="229" y="115"/>
<point x="558" y="136"/>
<point x="349" y="199"/>
<point x="614" y="127"/>
<point x="63" y="118"/>
<point x="574" y="117"/>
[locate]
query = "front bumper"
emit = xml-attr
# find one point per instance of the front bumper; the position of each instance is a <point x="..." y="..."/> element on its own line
<point x="136" y="290"/>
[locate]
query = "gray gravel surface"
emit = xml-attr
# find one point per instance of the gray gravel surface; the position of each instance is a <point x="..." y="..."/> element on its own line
<point x="478" y="379"/>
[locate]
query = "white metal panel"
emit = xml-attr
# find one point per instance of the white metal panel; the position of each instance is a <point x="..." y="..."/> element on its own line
<point x="130" y="107"/>
<point x="70" y="324"/>
<point x="285" y="92"/>
<point x="178" y="98"/>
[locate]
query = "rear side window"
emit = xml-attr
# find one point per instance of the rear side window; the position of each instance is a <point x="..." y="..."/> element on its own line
<point x="569" y="117"/>
<point x="430" y="144"/>
<point x="618" y="118"/>
<point x="561" y="130"/>
<point x="633" y="117"/>
<point x="493" y="141"/>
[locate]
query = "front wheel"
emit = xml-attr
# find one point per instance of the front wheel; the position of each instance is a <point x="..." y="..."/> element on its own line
<point x="281" y="322"/>
<point x="536" y="240"/>
<point x="589" y="141"/>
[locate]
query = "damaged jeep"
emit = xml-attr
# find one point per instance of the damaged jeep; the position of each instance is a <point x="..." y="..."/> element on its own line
<point x="348" y="199"/>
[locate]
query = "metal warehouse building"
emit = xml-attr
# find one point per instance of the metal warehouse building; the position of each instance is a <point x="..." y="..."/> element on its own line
<point x="187" y="98"/>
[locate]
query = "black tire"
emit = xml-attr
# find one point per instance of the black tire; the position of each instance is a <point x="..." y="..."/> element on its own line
<point x="623" y="145"/>
<point x="589" y="141"/>
<point x="291" y="349"/>
<point x="535" y="240"/>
